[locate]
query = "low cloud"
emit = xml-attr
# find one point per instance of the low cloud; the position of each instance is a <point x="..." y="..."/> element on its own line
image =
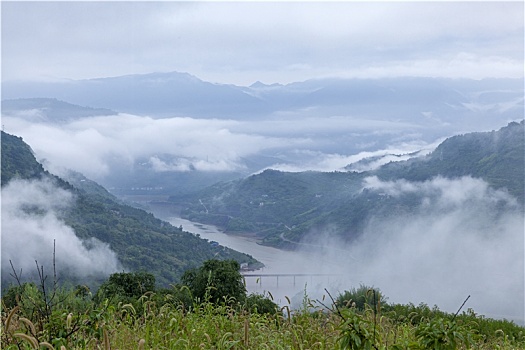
<point x="444" y="194"/>
<point x="464" y="238"/>
<point x="101" y="146"/>
<point x="30" y="225"/>
<point x="305" y="160"/>
<point x="184" y="165"/>
<point x="94" y="145"/>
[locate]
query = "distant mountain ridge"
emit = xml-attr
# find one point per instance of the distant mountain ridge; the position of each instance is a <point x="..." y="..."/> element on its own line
<point x="281" y="208"/>
<point x="49" y="110"/>
<point x="328" y="118"/>
<point x="141" y="241"/>
<point x="181" y="94"/>
<point x="156" y="94"/>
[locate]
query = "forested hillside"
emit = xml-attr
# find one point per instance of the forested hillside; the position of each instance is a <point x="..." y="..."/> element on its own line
<point x="496" y="157"/>
<point x="282" y="208"/>
<point x="141" y="241"/>
<point x="18" y="160"/>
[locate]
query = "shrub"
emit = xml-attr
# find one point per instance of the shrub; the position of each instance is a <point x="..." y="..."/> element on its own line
<point x="260" y="304"/>
<point x="361" y="297"/>
<point x="126" y="287"/>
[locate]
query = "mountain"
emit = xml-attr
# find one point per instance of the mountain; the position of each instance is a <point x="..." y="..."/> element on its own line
<point x="282" y="208"/>
<point x="49" y="110"/>
<point x="156" y="94"/>
<point x="301" y="125"/>
<point x="496" y="157"/>
<point x="140" y="240"/>
<point x="433" y="102"/>
<point x="18" y="160"/>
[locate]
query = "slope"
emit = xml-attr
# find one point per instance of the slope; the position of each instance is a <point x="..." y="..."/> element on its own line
<point x="49" y="110"/>
<point x="282" y="209"/>
<point x="141" y="241"/>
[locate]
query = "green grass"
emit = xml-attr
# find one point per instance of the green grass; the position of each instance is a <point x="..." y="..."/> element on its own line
<point x="162" y="322"/>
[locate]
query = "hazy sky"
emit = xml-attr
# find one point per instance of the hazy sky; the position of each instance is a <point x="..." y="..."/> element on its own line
<point x="241" y="42"/>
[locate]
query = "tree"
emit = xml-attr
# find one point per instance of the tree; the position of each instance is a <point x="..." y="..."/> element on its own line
<point x="126" y="286"/>
<point x="218" y="281"/>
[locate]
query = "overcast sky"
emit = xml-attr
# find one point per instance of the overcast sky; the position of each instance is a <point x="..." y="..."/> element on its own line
<point x="242" y="42"/>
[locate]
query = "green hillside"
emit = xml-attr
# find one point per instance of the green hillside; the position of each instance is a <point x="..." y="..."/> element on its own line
<point x="141" y="241"/>
<point x="497" y="157"/>
<point x="18" y="160"/>
<point x="281" y="208"/>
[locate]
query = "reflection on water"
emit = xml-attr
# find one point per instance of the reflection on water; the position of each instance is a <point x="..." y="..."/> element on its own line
<point x="298" y="272"/>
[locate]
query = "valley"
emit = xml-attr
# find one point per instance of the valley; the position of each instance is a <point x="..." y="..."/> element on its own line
<point x="318" y="181"/>
<point x="262" y="175"/>
<point x="285" y="209"/>
<point x="391" y="226"/>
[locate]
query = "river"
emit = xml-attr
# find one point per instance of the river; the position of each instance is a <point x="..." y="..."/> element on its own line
<point x="299" y="272"/>
<point x="398" y="266"/>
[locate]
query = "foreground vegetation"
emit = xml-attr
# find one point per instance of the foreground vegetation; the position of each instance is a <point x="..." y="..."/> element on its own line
<point x="129" y="312"/>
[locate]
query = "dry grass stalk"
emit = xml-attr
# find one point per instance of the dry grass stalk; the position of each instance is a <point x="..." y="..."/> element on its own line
<point x="287" y="312"/>
<point x="69" y="319"/>
<point x="106" y="341"/>
<point x="208" y="337"/>
<point x="29" y="325"/>
<point x="9" y="317"/>
<point x="31" y="340"/>
<point x="47" y="345"/>
<point x="246" y="332"/>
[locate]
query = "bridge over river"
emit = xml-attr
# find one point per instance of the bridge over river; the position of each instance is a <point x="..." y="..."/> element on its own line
<point x="291" y="278"/>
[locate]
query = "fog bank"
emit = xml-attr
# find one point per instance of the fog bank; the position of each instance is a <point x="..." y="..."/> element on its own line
<point x="464" y="238"/>
<point x="30" y="224"/>
<point x="100" y="147"/>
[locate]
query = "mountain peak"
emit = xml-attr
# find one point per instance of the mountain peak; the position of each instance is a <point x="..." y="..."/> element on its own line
<point x="259" y="84"/>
